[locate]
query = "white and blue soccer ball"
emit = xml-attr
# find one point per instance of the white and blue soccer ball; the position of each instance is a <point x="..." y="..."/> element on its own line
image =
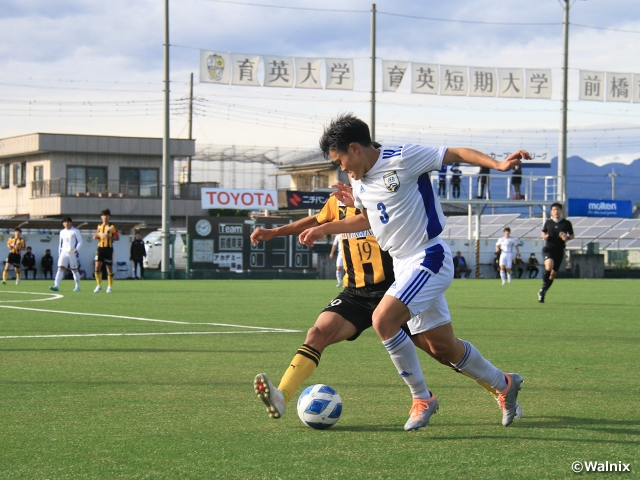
<point x="319" y="406"/>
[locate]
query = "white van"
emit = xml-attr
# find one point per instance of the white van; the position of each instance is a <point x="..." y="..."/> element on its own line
<point x="153" y="245"/>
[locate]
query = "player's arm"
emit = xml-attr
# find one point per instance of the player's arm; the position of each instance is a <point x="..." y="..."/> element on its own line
<point x="97" y="234"/>
<point x="357" y="223"/>
<point x="479" y="159"/>
<point x="295" y="228"/>
<point x="517" y="250"/>
<point x="78" y="236"/>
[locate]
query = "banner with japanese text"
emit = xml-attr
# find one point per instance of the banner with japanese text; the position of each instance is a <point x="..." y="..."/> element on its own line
<point x="245" y="70"/>
<point x="306" y="200"/>
<point x="339" y="73"/>
<point x="392" y="74"/>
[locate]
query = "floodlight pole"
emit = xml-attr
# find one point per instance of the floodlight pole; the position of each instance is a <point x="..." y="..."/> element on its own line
<point x="613" y="176"/>
<point x="166" y="157"/>
<point x="562" y="149"/>
<point x="190" y="127"/>
<point x="373" y="72"/>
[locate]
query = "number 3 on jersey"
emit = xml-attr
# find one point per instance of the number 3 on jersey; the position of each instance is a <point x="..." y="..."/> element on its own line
<point x="384" y="216"/>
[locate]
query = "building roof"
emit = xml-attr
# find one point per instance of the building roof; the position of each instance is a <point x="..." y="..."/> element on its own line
<point x="54" y="142"/>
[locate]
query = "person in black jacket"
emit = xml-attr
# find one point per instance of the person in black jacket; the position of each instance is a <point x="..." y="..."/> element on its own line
<point x="29" y="264"/>
<point x="136" y="255"/>
<point x="47" y="264"/>
<point x="556" y="232"/>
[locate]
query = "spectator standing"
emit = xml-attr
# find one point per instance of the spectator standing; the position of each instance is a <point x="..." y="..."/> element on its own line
<point x="516" y="181"/>
<point x="483" y="182"/>
<point x="29" y="264"/>
<point x="47" y="264"/>
<point x="456" y="179"/>
<point x="136" y="255"/>
<point x="442" y="181"/>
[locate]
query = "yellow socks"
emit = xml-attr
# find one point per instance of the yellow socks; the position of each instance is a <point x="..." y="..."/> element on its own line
<point x="98" y="278"/>
<point x="110" y="279"/>
<point x="4" y="275"/>
<point x="302" y="366"/>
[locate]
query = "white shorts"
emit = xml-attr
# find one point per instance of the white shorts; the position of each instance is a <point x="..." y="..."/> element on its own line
<point x="68" y="258"/>
<point x="506" y="259"/>
<point x="421" y="280"/>
<point x="339" y="260"/>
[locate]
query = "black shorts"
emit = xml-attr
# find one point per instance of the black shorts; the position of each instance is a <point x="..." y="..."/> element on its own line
<point x="357" y="310"/>
<point x="104" y="255"/>
<point x="556" y="255"/>
<point x="13" y="259"/>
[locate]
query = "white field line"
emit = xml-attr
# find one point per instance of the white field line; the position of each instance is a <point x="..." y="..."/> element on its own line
<point x="52" y="296"/>
<point x="137" y="334"/>
<point x="141" y="319"/>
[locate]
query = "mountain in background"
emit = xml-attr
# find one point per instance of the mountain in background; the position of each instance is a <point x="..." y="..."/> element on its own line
<point x="587" y="180"/>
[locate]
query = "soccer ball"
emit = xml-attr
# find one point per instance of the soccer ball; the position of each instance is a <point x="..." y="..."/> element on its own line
<point x="319" y="406"/>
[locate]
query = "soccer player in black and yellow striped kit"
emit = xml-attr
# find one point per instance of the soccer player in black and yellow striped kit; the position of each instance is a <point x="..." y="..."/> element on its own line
<point x="368" y="275"/>
<point x="16" y="245"/>
<point x="105" y="235"/>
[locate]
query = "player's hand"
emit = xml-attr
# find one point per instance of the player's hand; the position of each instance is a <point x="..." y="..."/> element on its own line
<point x="310" y="235"/>
<point x="343" y="193"/>
<point x="564" y="236"/>
<point x="261" y="235"/>
<point x="513" y="160"/>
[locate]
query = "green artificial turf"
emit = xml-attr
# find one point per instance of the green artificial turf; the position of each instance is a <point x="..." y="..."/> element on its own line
<point x="80" y="399"/>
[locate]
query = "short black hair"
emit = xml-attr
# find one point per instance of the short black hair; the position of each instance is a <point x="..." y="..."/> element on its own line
<point x="507" y="229"/>
<point x="28" y="248"/>
<point x="17" y="229"/>
<point x="559" y="205"/>
<point x="67" y="219"/>
<point x="106" y="211"/>
<point x="342" y="131"/>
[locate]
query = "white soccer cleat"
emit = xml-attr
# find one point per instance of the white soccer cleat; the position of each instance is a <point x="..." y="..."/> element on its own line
<point x="97" y="289"/>
<point x="109" y="290"/>
<point x="17" y="281"/>
<point x="270" y="396"/>
<point x="77" y="288"/>
<point x="509" y="398"/>
<point x="518" y="408"/>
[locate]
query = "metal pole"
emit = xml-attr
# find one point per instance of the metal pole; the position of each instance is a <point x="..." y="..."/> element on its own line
<point x="613" y="176"/>
<point x="190" y="127"/>
<point x="562" y="150"/>
<point x="477" y="235"/>
<point x="373" y="72"/>
<point x="166" y="156"/>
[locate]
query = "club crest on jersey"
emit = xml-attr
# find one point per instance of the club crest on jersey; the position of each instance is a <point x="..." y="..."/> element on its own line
<point x="391" y="181"/>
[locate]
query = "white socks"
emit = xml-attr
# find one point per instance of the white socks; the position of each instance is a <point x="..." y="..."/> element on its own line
<point x="59" y="275"/>
<point x="477" y="367"/>
<point x="339" y="276"/>
<point x="404" y="356"/>
<point x="509" y="277"/>
<point x="76" y="277"/>
<point x="503" y="276"/>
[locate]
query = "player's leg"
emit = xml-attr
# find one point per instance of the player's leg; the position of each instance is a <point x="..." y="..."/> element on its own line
<point x="109" y="264"/>
<point x="501" y="264"/>
<point x="98" y="271"/>
<point x="5" y="271"/>
<point x="339" y="269"/>
<point x="73" y="266"/>
<point x="343" y="319"/>
<point x="548" y="275"/>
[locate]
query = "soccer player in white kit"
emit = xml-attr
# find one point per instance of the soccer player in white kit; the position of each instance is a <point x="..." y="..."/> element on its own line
<point x="336" y="247"/>
<point x="70" y="244"/>
<point x="508" y="248"/>
<point x="393" y="190"/>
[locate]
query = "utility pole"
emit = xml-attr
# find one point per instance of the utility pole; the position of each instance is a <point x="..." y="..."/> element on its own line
<point x="562" y="148"/>
<point x="190" y="128"/>
<point x="613" y="176"/>
<point x="373" y="72"/>
<point x="166" y="157"/>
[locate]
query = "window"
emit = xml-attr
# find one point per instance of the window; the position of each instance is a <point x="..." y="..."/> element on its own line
<point x="4" y="176"/>
<point x="20" y="174"/>
<point x="139" y="182"/>
<point x="38" y="173"/>
<point x="86" y="180"/>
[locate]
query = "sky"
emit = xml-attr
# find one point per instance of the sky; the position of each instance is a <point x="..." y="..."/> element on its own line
<point x="97" y="68"/>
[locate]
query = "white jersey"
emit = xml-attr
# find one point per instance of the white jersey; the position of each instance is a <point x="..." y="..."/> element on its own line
<point x="507" y="245"/>
<point x="70" y="240"/>
<point x="403" y="210"/>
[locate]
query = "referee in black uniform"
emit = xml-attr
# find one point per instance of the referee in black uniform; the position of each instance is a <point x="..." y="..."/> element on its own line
<point x="556" y="232"/>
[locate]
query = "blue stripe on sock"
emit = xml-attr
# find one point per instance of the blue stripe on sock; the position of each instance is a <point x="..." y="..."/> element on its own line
<point x="465" y="357"/>
<point x="393" y="342"/>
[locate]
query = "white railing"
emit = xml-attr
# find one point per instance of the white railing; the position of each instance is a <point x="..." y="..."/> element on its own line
<point x="497" y="187"/>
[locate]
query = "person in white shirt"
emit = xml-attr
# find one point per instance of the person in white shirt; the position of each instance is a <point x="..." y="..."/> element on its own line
<point x="508" y="248"/>
<point x="70" y="244"/>
<point x="392" y="189"/>
<point x="337" y="247"/>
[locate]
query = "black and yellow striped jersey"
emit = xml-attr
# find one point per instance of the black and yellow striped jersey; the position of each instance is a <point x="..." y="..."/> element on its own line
<point x="366" y="266"/>
<point x="103" y="240"/>
<point x="16" y="245"/>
